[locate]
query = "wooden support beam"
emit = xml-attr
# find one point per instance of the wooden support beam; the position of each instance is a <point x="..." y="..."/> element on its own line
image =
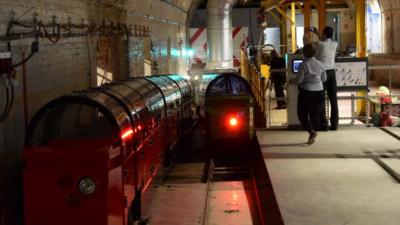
<point x="271" y="4"/>
<point x="275" y="17"/>
<point x="283" y="13"/>
<point x="321" y="15"/>
<point x="307" y="13"/>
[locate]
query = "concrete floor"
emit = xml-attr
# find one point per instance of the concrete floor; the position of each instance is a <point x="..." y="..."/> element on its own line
<point x="229" y="204"/>
<point x="181" y="201"/>
<point x="333" y="181"/>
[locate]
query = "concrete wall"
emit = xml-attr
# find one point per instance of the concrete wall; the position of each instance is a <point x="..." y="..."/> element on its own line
<point x="71" y="64"/>
<point x="391" y="25"/>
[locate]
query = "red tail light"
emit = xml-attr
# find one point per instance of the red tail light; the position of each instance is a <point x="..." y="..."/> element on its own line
<point x="126" y="134"/>
<point x="233" y="121"/>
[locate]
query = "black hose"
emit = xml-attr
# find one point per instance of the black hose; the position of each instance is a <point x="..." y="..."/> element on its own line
<point x="58" y="35"/>
<point x="4" y="111"/>
<point x="8" y="110"/>
<point x="9" y="99"/>
<point x="9" y="87"/>
<point x="34" y="48"/>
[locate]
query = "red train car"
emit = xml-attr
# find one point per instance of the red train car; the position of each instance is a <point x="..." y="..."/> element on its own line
<point x="92" y="157"/>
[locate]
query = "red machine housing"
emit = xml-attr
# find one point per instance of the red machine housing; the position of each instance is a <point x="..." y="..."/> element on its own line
<point x="92" y="156"/>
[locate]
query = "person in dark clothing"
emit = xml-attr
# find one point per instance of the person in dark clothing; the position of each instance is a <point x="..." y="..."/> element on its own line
<point x="311" y="92"/>
<point x="326" y="52"/>
<point x="278" y="77"/>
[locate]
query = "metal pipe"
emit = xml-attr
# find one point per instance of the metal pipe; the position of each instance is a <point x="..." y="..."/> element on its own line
<point x="219" y="34"/>
<point x="352" y="109"/>
<point x="25" y="92"/>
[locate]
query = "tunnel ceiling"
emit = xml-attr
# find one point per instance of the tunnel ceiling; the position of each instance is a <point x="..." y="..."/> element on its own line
<point x="184" y="4"/>
<point x="385" y="4"/>
<point x="257" y="3"/>
<point x="240" y="4"/>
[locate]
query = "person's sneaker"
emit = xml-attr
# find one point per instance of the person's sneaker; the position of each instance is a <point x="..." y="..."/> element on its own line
<point x="311" y="138"/>
<point x="332" y="128"/>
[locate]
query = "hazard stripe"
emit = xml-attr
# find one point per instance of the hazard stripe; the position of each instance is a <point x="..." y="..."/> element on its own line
<point x="197" y="59"/>
<point x="236" y="31"/>
<point x="196" y="35"/>
<point x="242" y="45"/>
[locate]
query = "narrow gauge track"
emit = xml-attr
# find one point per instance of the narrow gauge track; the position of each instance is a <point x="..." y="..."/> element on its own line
<point x="239" y="171"/>
<point x="200" y="189"/>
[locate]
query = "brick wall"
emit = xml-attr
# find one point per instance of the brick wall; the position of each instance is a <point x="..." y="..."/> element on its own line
<point x="347" y="29"/>
<point x="71" y="64"/>
<point x="391" y="25"/>
<point x="391" y="45"/>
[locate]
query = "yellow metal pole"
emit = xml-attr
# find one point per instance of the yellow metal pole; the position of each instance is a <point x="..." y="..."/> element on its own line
<point x="293" y="26"/>
<point x="361" y="47"/>
<point x="360" y="28"/>
<point x="321" y="15"/>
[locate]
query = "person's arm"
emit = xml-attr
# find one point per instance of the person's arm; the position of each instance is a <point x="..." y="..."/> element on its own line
<point x="314" y="30"/>
<point x="323" y="75"/>
<point x="300" y="75"/>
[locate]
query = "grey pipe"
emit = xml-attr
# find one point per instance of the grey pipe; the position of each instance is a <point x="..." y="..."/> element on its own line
<point x="219" y="34"/>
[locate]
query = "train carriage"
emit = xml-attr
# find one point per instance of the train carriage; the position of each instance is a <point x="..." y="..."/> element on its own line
<point x="229" y="112"/>
<point x="92" y="156"/>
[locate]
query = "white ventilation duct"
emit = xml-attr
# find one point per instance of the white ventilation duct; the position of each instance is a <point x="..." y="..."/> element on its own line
<point x="219" y="34"/>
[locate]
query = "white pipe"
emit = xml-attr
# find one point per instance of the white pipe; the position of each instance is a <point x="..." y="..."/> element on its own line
<point x="219" y="34"/>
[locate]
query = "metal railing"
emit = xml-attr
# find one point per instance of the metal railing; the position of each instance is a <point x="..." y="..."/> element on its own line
<point x="257" y="81"/>
<point x="352" y="97"/>
<point x="260" y="86"/>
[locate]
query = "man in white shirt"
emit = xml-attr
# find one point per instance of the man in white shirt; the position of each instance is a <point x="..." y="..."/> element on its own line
<point x="326" y="52"/>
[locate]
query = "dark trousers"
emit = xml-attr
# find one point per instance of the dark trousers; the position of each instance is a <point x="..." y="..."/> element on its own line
<point x="331" y="90"/>
<point x="309" y="107"/>
<point x="279" y="83"/>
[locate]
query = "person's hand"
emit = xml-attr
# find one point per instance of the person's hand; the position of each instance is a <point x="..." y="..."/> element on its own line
<point x="315" y="31"/>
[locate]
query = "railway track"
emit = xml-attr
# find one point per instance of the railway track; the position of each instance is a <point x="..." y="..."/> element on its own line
<point x="220" y="191"/>
<point x="240" y="176"/>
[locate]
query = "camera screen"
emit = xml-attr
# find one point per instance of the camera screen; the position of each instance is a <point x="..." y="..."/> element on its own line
<point x="296" y="65"/>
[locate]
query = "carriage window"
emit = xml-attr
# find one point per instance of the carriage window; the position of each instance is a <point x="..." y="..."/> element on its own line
<point x="228" y="85"/>
<point x="238" y="87"/>
<point x="71" y="121"/>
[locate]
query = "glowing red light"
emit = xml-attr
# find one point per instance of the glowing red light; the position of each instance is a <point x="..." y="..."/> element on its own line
<point x="128" y="133"/>
<point x="139" y="127"/>
<point x="233" y="122"/>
